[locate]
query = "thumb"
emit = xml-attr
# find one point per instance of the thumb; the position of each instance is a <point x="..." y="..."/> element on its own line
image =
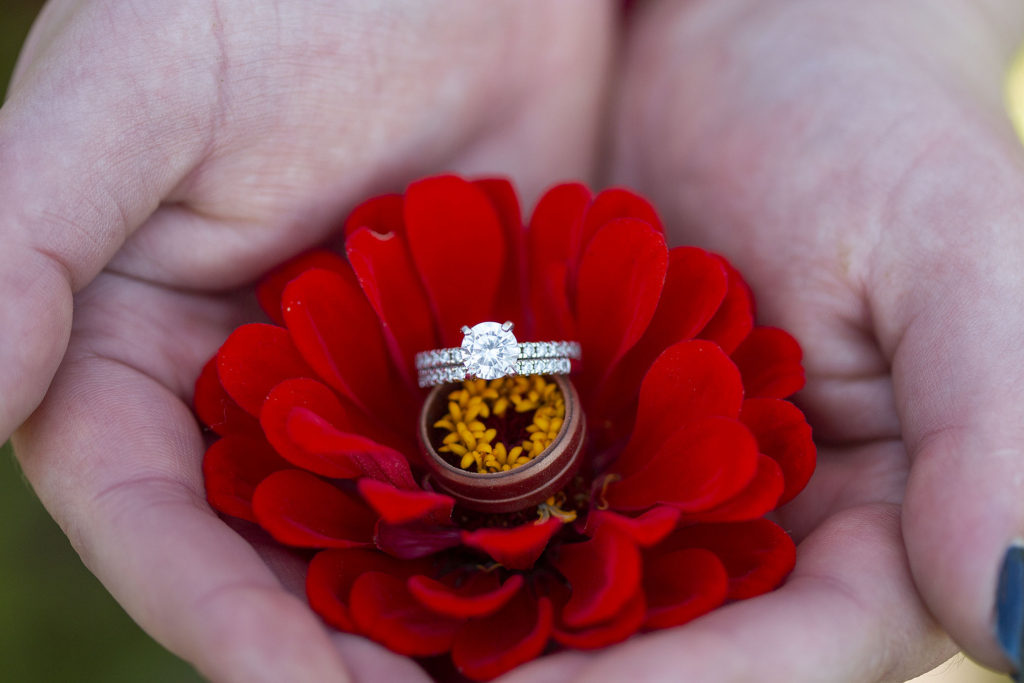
<point x="87" y="151"/>
<point x="952" y="322"/>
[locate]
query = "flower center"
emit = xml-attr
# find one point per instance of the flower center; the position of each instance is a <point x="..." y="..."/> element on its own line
<point x="494" y="426"/>
<point x="504" y="445"/>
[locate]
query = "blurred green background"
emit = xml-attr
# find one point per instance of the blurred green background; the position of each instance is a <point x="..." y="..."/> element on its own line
<point x="57" y="623"/>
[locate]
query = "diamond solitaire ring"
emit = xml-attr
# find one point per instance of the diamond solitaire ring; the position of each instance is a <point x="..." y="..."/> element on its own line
<point x="489" y="351"/>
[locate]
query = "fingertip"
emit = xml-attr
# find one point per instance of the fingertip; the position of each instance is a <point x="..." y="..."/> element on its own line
<point x="962" y="519"/>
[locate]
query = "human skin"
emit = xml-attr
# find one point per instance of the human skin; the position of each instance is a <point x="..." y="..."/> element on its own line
<point x="852" y="159"/>
<point x="167" y="154"/>
<point x="855" y="162"/>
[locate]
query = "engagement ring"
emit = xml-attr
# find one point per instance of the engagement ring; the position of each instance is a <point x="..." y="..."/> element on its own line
<point x="489" y="351"/>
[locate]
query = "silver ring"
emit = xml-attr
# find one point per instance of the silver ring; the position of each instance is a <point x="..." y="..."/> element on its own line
<point x="489" y="350"/>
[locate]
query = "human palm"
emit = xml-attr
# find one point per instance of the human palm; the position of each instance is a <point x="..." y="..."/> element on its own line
<point x="204" y="143"/>
<point x="855" y="163"/>
<point x="192" y="157"/>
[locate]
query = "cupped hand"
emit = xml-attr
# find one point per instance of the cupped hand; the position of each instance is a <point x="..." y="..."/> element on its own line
<point x="855" y="162"/>
<point x="158" y="155"/>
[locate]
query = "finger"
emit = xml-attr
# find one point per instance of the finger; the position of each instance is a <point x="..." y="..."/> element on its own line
<point x="846" y="477"/>
<point x="85" y="162"/>
<point x="130" y="499"/>
<point x="371" y="662"/>
<point x="848" y="612"/>
<point x="115" y="456"/>
<point x="951" y="319"/>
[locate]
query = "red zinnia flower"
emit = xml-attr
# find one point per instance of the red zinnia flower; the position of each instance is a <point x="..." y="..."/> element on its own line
<point x="690" y="443"/>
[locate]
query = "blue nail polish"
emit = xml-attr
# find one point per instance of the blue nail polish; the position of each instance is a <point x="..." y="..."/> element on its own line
<point x="1010" y="606"/>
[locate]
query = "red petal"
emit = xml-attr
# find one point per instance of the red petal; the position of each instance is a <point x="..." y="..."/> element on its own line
<point x="769" y="360"/>
<point x="556" y="222"/>
<point x="604" y="573"/>
<point x="757" y="554"/>
<point x="502" y="196"/>
<point x="216" y="409"/>
<point x="621" y="276"/>
<point x="695" y="285"/>
<point x="481" y="595"/>
<point x="319" y="399"/>
<point x="381" y="214"/>
<point x="316" y="436"/>
<point x="645" y="530"/>
<point x="458" y="247"/>
<point x="398" y="506"/>
<point x="553" y="316"/>
<point x="703" y="464"/>
<point x="300" y="509"/>
<point x="783" y="434"/>
<point x="488" y="647"/>
<point x="386" y="273"/>
<point x="331" y="575"/>
<point x="682" y="585"/>
<point x="299" y="412"/>
<point x="269" y="290"/>
<point x="384" y="610"/>
<point x="612" y="204"/>
<point x="622" y="625"/>
<point x="338" y="334"/>
<point x="552" y="245"/>
<point x="735" y="319"/>
<point x="515" y="548"/>
<point x="232" y="468"/>
<point x="689" y="380"/>
<point x="254" y="360"/>
<point x="415" y="540"/>
<point x="759" y="498"/>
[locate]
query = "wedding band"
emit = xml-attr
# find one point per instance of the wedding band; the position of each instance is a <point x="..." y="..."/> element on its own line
<point x="489" y="350"/>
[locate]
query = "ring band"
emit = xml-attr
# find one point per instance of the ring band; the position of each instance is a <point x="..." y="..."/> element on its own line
<point x="489" y="351"/>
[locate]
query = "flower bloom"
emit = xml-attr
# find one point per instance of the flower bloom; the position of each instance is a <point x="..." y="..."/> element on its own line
<point x="690" y="442"/>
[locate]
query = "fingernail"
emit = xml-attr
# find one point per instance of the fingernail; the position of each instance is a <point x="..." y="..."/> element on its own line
<point x="1010" y="606"/>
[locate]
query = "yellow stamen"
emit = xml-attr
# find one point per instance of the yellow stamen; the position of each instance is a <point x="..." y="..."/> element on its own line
<point x="475" y="445"/>
<point x="500" y="406"/>
<point x="552" y="507"/>
<point x="602" y="502"/>
<point x="467" y="437"/>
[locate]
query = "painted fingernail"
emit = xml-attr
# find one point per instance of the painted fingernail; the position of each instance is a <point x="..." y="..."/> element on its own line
<point x="1010" y="606"/>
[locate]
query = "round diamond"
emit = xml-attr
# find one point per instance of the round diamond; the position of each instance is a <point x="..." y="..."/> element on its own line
<point x="489" y="351"/>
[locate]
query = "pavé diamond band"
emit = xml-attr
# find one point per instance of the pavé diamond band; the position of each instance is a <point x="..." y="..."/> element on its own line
<point x="489" y="351"/>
